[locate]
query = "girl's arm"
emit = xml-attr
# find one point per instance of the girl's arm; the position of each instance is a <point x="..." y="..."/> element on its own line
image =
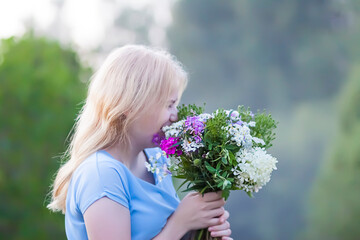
<point x="107" y="219"/>
<point x="172" y="230"/>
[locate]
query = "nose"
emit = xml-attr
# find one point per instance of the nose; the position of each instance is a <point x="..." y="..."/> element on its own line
<point x="174" y="115"/>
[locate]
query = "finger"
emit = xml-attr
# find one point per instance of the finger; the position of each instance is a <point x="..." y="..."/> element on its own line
<point x="225" y="216"/>
<point x="215" y="204"/>
<point x="191" y="194"/>
<point x="213" y="222"/>
<point x="212" y="196"/>
<point x="215" y="212"/>
<point x="219" y="227"/>
<point x="226" y="238"/>
<point x="222" y="233"/>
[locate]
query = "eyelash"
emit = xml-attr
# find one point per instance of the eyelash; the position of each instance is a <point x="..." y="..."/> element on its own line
<point x="172" y="105"/>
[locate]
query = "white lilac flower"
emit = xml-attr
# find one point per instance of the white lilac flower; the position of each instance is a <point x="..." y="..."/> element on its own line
<point x="190" y="145"/>
<point x="174" y="163"/>
<point x="234" y="115"/>
<point x="258" y="140"/>
<point x="174" y="129"/>
<point x="157" y="166"/>
<point x="205" y="116"/>
<point x="148" y="167"/>
<point x="254" y="168"/>
<point x="158" y="155"/>
<point x="240" y="134"/>
<point x="252" y="124"/>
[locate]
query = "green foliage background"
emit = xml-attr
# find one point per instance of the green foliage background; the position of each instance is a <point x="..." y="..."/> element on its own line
<point x="334" y="209"/>
<point x="40" y="94"/>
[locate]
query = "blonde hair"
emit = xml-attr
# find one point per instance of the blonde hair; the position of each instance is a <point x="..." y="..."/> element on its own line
<point x="131" y="78"/>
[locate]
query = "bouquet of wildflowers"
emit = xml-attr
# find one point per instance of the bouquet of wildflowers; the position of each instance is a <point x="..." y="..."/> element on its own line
<point x="222" y="151"/>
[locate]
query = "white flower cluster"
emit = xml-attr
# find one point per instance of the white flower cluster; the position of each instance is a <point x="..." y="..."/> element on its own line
<point x="156" y="166"/>
<point x="191" y="145"/>
<point x="205" y="116"/>
<point x="240" y="134"/>
<point x="174" y="129"/>
<point x="254" y="168"/>
<point x="175" y="162"/>
<point x="239" y="131"/>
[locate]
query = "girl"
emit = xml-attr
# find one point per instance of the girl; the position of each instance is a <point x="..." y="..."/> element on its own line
<point x="104" y="188"/>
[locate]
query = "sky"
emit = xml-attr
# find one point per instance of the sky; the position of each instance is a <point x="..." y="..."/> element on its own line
<point x="83" y="22"/>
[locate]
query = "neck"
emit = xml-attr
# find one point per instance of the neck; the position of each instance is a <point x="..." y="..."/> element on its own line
<point x="127" y="155"/>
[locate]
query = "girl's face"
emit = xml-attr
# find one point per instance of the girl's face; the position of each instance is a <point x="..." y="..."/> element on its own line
<point x="152" y="120"/>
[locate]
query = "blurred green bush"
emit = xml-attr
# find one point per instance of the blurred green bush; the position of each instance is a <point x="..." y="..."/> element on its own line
<point x="40" y="94"/>
<point x="334" y="209"/>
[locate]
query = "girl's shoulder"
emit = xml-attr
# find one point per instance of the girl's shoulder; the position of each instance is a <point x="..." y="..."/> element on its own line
<point x="97" y="176"/>
<point x="99" y="163"/>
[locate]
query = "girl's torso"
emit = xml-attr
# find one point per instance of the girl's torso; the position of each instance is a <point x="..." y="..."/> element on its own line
<point x="149" y="201"/>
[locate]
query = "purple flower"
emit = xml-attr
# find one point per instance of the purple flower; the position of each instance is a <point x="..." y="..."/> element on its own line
<point x="194" y="125"/>
<point x="166" y="145"/>
<point x="234" y="114"/>
<point x="197" y="139"/>
<point x="239" y="122"/>
<point x="157" y="139"/>
<point x="166" y="170"/>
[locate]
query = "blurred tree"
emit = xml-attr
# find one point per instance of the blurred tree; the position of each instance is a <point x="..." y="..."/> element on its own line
<point x="40" y="94"/>
<point x="273" y="52"/>
<point x="334" y="209"/>
<point x="290" y="56"/>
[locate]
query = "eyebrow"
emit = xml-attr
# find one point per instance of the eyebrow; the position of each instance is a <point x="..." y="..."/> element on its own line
<point x="173" y="101"/>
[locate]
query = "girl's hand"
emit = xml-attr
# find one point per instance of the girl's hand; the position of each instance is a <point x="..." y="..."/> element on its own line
<point x="223" y="229"/>
<point x="197" y="212"/>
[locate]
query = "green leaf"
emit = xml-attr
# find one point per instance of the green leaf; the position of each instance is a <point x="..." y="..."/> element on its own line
<point x="180" y="176"/>
<point x="177" y="144"/>
<point x="210" y="168"/>
<point x="210" y="185"/>
<point x="231" y="158"/>
<point x="225" y="194"/>
<point x="218" y="166"/>
<point x="203" y="190"/>
<point x="181" y="185"/>
<point x="193" y="188"/>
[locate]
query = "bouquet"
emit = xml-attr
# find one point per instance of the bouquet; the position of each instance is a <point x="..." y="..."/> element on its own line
<point x="222" y="151"/>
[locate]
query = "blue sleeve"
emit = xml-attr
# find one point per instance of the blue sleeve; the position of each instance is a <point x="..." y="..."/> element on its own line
<point x="101" y="179"/>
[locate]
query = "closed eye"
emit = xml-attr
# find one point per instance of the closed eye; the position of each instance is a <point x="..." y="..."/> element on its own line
<point x="172" y="103"/>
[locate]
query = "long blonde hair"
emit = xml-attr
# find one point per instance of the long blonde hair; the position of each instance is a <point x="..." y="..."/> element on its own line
<point x="131" y="78"/>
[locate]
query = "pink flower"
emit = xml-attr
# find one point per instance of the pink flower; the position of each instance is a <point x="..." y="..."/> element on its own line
<point x="166" y="145"/>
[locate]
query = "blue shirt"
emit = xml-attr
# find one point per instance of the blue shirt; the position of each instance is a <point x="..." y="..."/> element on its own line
<point x="101" y="175"/>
